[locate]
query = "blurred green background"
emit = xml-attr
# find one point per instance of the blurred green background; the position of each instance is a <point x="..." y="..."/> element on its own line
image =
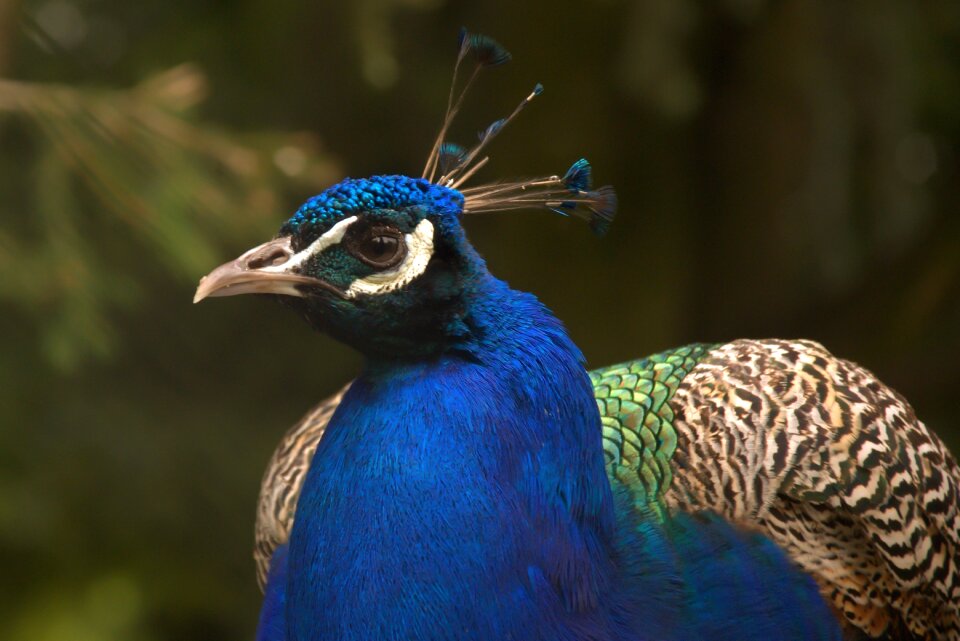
<point x="785" y="168"/>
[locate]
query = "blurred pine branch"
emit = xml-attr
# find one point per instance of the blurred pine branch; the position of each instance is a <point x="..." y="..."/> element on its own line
<point x="140" y="164"/>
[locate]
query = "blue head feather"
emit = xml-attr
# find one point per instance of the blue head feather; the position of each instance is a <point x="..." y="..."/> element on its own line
<point x="359" y="195"/>
<point x="425" y="312"/>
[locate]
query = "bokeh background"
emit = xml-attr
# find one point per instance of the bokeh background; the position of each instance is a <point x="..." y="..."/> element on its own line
<point x="785" y="168"/>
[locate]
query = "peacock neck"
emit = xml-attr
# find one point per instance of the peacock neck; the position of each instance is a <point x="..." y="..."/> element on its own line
<point x="459" y="496"/>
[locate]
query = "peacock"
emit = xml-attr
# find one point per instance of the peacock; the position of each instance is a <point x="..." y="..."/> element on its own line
<point x="475" y="481"/>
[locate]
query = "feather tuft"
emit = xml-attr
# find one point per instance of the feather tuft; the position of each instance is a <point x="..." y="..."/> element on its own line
<point x="579" y="177"/>
<point x="567" y="195"/>
<point x="604" y="208"/>
<point x="487" y="51"/>
<point x="451" y="155"/>
<point x="492" y="130"/>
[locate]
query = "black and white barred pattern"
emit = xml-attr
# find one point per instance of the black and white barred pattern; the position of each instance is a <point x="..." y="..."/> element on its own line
<point x="835" y="467"/>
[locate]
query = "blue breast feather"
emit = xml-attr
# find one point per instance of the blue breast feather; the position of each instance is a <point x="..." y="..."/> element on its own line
<point x="465" y="497"/>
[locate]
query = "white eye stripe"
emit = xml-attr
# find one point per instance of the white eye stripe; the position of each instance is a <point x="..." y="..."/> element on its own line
<point x="333" y="236"/>
<point x="419" y="252"/>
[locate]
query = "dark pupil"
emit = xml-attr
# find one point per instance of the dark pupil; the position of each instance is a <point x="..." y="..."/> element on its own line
<point x="381" y="248"/>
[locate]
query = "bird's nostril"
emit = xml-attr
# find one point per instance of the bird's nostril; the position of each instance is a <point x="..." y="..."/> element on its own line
<point x="270" y="256"/>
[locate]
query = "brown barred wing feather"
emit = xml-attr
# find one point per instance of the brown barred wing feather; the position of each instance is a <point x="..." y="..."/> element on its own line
<point x="280" y="487"/>
<point x="836" y="468"/>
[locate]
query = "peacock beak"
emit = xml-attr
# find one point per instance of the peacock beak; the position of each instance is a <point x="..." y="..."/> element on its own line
<point x="265" y="269"/>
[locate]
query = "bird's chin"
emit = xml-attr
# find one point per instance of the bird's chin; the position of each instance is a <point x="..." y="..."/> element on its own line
<point x="317" y="307"/>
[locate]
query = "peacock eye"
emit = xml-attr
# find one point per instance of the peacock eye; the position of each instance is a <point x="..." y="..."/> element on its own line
<point x="379" y="246"/>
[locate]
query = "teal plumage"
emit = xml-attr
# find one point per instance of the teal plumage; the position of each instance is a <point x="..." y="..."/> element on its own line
<point x="466" y="485"/>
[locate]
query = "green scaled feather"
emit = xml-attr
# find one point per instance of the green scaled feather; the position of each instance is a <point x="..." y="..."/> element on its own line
<point x="639" y="437"/>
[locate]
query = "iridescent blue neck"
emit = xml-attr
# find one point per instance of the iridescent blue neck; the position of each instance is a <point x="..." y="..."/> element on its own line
<point x="443" y="486"/>
<point x="464" y="496"/>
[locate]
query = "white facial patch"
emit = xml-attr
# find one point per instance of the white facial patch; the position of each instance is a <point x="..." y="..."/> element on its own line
<point x="419" y="252"/>
<point x="332" y="237"/>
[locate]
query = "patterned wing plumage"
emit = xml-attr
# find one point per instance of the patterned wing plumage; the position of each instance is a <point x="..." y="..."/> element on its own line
<point x="280" y="487"/>
<point x="779" y="436"/>
<point x="835" y="467"/>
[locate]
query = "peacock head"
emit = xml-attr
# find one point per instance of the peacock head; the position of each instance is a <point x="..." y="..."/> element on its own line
<point x="382" y="263"/>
